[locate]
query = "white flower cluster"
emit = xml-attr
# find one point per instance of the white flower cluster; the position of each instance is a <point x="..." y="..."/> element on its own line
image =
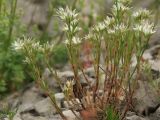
<point x="47" y="47"/>
<point x="99" y="27"/>
<point x="18" y="45"/>
<point x="89" y="35"/>
<point x="68" y="87"/>
<point x="31" y="45"/>
<point x="67" y="13"/>
<point x="119" y="7"/>
<point x="112" y="27"/>
<point x="109" y="26"/>
<point x="145" y="27"/>
<point x="141" y="14"/>
<point x="75" y="40"/>
<point x="94" y="33"/>
<point x="71" y="24"/>
<point x="118" y="28"/>
<point x="109" y="21"/>
<point x="72" y="27"/>
<point x="24" y="43"/>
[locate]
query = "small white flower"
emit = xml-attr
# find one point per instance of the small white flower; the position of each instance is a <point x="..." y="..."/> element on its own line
<point x="111" y="31"/>
<point x="117" y="28"/>
<point x="109" y="21"/>
<point x="27" y="60"/>
<point x="31" y="44"/>
<point x="47" y="47"/>
<point x="77" y="29"/>
<point x="72" y="26"/>
<point x="68" y="87"/>
<point x="67" y="41"/>
<point x="141" y="14"/>
<point x="62" y="13"/>
<point x="119" y="7"/>
<point x="65" y="28"/>
<point x="137" y="27"/>
<point x="36" y="45"/>
<point x="99" y="27"/>
<point x="27" y="44"/>
<point x="75" y="40"/>
<point x="21" y="43"/>
<point x="121" y="28"/>
<point x="148" y="29"/>
<point x="145" y="28"/>
<point x="69" y="83"/>
<point x="66" y="13"/>
<point x="90" y="35"/>
<point x="74" y="22"/>
<point x="18" y="45"/>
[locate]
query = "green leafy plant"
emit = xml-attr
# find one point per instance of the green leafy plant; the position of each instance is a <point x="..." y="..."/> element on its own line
<point x="31" y="49"/>
<point x="2" y="86"/>
<point x="11" y="72"/>
<point x="6" y="112"/>
<point x="111" y="114"/>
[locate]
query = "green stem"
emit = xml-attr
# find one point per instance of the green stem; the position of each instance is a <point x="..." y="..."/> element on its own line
<point x="11" y="22"/>
<point x="97" y="67"/>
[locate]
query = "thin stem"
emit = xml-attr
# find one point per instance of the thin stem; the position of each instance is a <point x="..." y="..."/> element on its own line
<point x="11" y="21"/>
<point x="97" y="69"/>
<point x="55" y="105"/>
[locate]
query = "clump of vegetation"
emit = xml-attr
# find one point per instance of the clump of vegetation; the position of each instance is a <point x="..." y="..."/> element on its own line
<point x="7" y="113"/>
<point x="11" y="71"/>
<point x="124" y="35"/>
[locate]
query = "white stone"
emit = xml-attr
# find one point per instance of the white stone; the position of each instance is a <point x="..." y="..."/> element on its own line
<point x="69" y="104"/>
<point x="26" y="107"/>
<point x="59" y="96"/>
<point x="17" y="117"/>
<point x="45" y="107"/>
<point x="69" y="115"/>
<point x="30" y="117"/>
<point x="155" y="64"/>
<point x="135" y="117"/>
<point x="147" y="55"/>
<point x="6" y="118"/>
